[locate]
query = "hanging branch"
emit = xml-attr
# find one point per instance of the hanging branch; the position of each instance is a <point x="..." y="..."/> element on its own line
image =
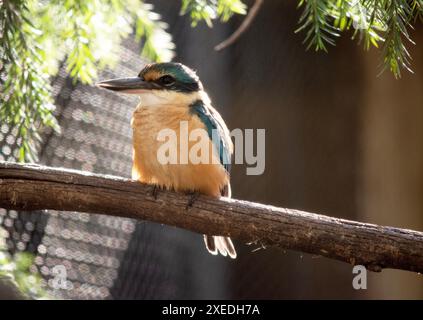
<point x="33" y="187"/>
<point x="242" y="28"/>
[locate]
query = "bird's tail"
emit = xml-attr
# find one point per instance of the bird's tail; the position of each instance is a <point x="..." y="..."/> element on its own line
<point x="220" y="244"/>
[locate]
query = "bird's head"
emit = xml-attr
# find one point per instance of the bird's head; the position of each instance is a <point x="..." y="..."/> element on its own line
<point x="160" y="84"/>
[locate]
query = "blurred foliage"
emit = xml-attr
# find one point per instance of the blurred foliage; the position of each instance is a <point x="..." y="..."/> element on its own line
<point x="37" y="36"/>
<point x="208" y="10"/>
<point x="25" y="98"/>
<point x="371" y="21"/>
<point x="16" y="269"/>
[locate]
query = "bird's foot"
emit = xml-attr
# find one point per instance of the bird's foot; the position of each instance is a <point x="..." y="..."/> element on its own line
<point x="155" y="191"/>
<point x="193" y="196"/>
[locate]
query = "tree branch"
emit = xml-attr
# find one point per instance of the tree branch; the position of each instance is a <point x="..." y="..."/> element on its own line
<point x="33" y="187"/>
<point x="242" y="28"/>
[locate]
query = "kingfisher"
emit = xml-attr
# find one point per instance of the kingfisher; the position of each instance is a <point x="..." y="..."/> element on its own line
<point x="170" y="94"/>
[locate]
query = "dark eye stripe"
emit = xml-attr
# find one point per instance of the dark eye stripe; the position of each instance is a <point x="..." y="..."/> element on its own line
<point x="166" y="80"/>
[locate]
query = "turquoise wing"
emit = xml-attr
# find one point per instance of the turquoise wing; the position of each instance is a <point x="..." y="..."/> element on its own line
<point x="214" y="124"/>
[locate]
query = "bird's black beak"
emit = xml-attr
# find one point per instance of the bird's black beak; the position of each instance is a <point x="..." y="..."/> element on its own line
<point x="127" y="85"/>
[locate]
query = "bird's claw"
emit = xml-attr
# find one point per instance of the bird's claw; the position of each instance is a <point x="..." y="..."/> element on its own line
<point x="193" y="196"/>
<point x="155" y="191"/>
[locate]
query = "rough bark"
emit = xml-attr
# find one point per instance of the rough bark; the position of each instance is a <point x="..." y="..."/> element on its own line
<point x="33" y="187"/>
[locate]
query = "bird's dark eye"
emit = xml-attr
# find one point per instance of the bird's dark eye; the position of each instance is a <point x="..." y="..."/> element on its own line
<point x="167" y="80"/>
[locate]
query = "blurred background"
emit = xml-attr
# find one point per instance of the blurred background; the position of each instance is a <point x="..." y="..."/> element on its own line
<point x="340" y="141"/>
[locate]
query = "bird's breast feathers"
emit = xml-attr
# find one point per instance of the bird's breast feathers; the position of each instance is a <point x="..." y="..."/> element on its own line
<point x="147" y="123"/>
